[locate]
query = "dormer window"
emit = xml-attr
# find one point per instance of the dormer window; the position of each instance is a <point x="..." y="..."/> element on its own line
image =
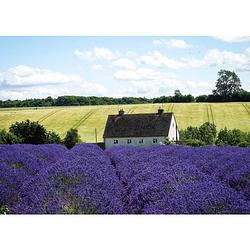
<point x="115" y="141"/>
<point x="155" y="140"/>
<point x="129" y="141"/>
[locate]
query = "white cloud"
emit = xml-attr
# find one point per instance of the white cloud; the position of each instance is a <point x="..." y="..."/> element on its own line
<point x="12" y="94"/>
<point x="222" y="58"/>
<point x="172" y="43"/>
<point x="97" y="54"/>
<point x="26" y="82"/>
<point x="192" y="62"/>
<point x="213" y="57"/>
<point x="130" y="54"/>
<point x="141" y="74"/>
<point x="165" y="86"/>
<point x="247" y="51"/>
<point x="152" y="83"/>
<point x="233" y="39"/>
<point x="124" y="63"/>
<point x="157" y="59"/>
<point x="80" y="88"/>
<point x="97" y="67"/>
<point x="24" y="75"/>
<point x="236" y="61"/>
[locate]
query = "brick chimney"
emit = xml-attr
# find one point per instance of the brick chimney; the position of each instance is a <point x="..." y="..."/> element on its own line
<point x="121" y="112"/>
<point x="160" y="111"/>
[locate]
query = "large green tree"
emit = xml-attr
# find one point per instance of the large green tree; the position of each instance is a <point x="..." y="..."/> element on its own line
<point x="30" y="132"/>
<point x="227" y="84"/>
<point x="9" y="138"/>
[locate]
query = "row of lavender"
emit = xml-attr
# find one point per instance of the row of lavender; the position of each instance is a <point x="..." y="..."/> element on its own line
<point x="161" y="179"/>
<point x="184" y="180"/>
<point x="51" y="179"/>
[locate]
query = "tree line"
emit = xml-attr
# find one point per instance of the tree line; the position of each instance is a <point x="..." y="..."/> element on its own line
<point x="207" y="134"/>
<point x="227" y="89"/>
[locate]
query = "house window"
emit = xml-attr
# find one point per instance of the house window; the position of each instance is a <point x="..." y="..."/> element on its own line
<point x="115" y="141"/>
<point x="155" y="140"/>
<point x="141" y="141"/>
<point x="129" y="141"/>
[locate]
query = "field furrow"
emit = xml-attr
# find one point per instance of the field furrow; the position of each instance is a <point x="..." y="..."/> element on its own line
<point x="246" y="108"/>
<point x="208" y="115"/>
<point x="83" y="119"/>
<point x="132" y="110"/>
<point x="211" y="114"/>
<point x="171" y="107"/>
<point x="43" y="118"/>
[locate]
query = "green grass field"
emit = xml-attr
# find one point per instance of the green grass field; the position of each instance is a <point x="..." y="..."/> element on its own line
<point x="87" y="118"/>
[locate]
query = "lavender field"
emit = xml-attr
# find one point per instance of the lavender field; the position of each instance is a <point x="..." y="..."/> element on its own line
<point x="50" y="179"/>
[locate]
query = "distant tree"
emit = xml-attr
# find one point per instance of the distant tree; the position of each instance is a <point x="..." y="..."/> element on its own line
<point x="195" y="143"/>
<point x="8" y="138"/>
<point x="162" y="99"/>
<point x="177" y="92"/>
<point x="53" y="137"/>
<point x="29" y="132"/>
<point x="190" y="133"/>
<point x="179" y="97"/>
<point x="233" y="137"/>
<point x="201" y="98"/>
<point x="207" y="133"/>
<point x="227" y="84"/>
<point x="72" y="138"/>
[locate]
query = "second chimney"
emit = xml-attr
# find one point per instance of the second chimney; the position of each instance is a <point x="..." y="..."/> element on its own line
<point x="160" y="111"/>
<point x="121" y="112"/>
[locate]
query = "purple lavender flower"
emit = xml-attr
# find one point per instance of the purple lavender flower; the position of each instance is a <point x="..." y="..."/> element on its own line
<point x="85" y="182"/>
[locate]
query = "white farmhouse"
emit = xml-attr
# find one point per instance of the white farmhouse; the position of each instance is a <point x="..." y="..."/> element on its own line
<point x="140" y="129"/>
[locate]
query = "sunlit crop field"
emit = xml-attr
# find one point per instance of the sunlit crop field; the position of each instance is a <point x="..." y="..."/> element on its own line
<point x="88" y="118"/>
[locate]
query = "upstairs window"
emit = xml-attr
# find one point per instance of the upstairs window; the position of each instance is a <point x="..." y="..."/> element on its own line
<point x="129" y="141"/>
<point x="155" y="140"/>
<point x="115" y="141"/>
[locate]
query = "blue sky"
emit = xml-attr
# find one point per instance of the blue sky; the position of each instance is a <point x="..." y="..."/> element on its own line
<point x="32" y="67"/>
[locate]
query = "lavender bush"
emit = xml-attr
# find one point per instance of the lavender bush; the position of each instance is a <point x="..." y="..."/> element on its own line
<point x="50" y="179"/>
<point x="83" y="182"/>
<point x="19" y="163"/>
<point x="184" y="180"/>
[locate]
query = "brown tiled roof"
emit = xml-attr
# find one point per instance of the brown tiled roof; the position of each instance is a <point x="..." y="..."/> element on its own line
<point x="137" y="125"/>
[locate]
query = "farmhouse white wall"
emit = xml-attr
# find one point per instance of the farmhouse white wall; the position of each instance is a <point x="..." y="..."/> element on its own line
<point x="147" y="141"/>
<point x="173" y="135"/>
